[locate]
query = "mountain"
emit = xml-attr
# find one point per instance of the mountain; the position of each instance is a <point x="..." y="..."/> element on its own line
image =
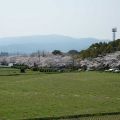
<point x="30" y="44"/>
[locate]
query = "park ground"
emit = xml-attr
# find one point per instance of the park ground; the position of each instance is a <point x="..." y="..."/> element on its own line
<point x="38" y="95"/>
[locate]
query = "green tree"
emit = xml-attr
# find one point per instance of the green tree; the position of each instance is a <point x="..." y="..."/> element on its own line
<point x="57" y="52"/>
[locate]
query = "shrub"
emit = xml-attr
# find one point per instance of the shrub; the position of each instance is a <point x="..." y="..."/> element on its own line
<point x="35" y="68"/>
<point x="22" y="70"/>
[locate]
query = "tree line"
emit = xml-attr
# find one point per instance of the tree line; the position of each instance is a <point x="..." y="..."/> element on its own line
<point x="95" y="50"/>
<point x="100" y="49"/>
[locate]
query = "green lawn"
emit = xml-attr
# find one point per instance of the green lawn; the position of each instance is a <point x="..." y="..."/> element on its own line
<point x="36" y="95"/>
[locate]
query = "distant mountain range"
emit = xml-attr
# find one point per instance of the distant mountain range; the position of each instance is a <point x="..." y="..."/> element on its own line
<point x="31" y="44"/>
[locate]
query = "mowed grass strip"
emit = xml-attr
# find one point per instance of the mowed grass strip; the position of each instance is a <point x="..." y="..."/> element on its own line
<point x="107" y="117"/>
<point x="37" y="95"/>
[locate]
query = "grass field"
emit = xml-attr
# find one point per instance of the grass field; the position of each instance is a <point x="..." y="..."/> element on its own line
<point x="37" y="95"/>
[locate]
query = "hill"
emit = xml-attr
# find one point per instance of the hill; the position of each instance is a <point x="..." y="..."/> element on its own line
<point x="30" y="44"/>
<point x="100" y="49"/>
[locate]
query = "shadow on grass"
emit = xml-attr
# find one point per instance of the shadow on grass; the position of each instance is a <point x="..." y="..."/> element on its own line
<point x="16" y="74"/>
<point x="11" y="75"/>
<point x="19" y="74"/>
<point x="76" y="116"/>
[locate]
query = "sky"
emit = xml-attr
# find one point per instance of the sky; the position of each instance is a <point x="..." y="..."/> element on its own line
<point x="75" y="18"/>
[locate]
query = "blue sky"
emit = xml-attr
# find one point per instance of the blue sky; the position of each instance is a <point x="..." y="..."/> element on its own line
<point x="76" y="18"/>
